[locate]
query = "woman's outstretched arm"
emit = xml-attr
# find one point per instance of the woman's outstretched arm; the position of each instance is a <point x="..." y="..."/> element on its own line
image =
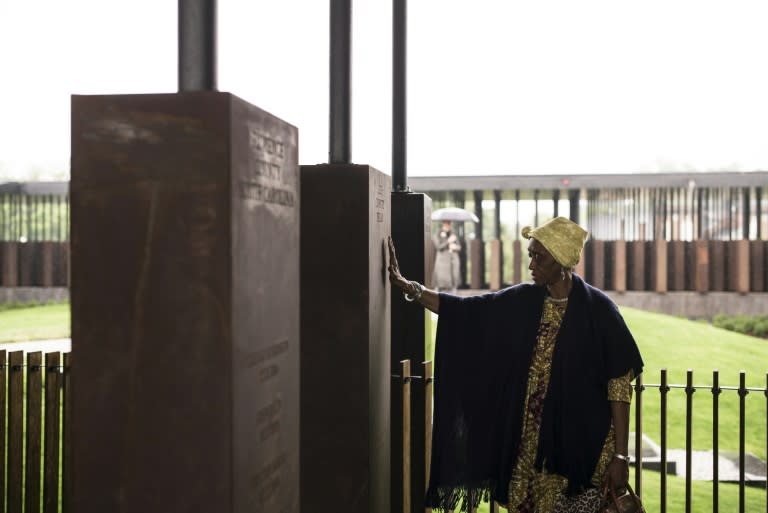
<point x="429" y="299"/>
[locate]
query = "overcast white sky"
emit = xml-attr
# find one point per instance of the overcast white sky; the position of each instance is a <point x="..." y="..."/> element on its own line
<point x="503" y="86"/>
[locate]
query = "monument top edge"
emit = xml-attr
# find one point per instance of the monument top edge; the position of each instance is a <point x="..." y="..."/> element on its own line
<point x="221" y="96"/>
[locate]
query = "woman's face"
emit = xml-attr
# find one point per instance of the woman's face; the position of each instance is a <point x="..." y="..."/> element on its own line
<point x="544" y="268"/>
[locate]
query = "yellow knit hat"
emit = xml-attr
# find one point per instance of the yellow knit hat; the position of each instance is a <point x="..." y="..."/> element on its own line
<point x="563" y="238"/>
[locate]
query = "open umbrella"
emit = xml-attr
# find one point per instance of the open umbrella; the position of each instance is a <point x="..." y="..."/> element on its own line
<point x="453" y="214"/>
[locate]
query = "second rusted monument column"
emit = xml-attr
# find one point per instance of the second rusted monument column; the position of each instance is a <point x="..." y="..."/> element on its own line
<point x="345" y="339"/>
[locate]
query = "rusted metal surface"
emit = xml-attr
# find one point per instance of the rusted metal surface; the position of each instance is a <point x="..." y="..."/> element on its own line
<point x="184" y="305"/>
<point x="15" y="431"/>
<point x="66" y="419"/>
<point x="3" y="424"/>
<point x="659" y="266"/>
<point x="33" y="428"/>
<point x="51" y="455"/>
<point x="405" y="449"/>
<point x="717" y="266"/>
<point x="411" y="232"/>
<point x="345" y="350"/>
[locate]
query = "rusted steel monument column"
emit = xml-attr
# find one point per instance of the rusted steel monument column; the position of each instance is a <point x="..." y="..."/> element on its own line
<point x="185" y="308"/>
<point x="345" y="316"/>
<point x="184" y="305"/>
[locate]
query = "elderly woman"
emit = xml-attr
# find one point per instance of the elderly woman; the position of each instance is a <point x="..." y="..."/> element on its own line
<point x="533" y="386"/>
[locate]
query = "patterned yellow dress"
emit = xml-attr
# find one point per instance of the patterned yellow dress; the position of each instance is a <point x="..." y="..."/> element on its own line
<point x="531" y="490"/>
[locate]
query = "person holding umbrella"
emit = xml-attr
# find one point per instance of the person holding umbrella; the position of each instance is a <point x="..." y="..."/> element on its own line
<point x="447" y="273"/>
<point x="532" y="386"/>
<point x="447" y="248"/>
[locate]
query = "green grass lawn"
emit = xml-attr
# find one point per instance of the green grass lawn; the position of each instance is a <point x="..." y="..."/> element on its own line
<point x="34" y="323"/>
<point x="678" y="345"/>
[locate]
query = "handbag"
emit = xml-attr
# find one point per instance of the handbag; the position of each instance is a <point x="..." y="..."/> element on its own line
<point x="627" y="503"/>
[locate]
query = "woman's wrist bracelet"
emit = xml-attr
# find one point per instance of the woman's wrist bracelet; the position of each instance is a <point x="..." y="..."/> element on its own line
<point x="418" y="290"/>
<point x="621" y="457"/>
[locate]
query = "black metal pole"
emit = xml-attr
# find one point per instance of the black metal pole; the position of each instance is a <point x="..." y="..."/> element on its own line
<point x="340" y="148"/>
<point x="399" y="32"/>
<point x="197" y="45"/>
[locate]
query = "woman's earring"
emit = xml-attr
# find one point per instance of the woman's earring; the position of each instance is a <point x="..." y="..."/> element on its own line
<point x="562" y="273"/>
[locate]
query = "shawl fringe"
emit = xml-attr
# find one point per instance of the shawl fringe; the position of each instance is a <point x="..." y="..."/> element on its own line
<point x="446" y="499"/>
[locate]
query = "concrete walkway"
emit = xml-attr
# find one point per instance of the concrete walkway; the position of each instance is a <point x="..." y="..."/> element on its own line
<point x="63" y="345"/>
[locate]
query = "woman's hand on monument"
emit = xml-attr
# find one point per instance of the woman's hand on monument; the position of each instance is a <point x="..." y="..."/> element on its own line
<point x="395" y="278"/>
<point x="429" y="299"/>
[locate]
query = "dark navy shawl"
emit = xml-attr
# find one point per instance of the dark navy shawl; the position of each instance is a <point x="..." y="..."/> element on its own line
<point x="483" y="354"/>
